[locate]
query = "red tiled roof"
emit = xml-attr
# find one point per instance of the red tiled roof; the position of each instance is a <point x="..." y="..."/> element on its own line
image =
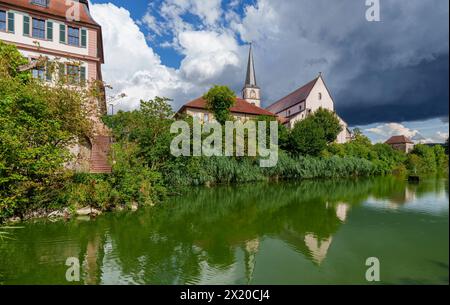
<point x="241" y="106"/>
<point x="56" y="8"/>
<point x="293" y="98"/>
<point x="399" y="140"/>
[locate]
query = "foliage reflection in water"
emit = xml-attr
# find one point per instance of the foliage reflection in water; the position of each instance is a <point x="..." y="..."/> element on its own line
<point x="279" y="233"/>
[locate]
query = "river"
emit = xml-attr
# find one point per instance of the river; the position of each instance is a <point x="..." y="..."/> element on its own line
<point x="309" y="232"/>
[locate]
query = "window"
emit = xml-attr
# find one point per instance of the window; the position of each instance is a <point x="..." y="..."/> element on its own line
<point x="38" y="28"/>
<point x="205" y="118"/>
<point x="38" y="72"/>
<point x="320" y="96"/>
<point x="73" y="74"/>
<point x="252" y="94"/>
<point x="2" y="21"/>
<point x="74" y="36"/>
<point x="40" y="2"/>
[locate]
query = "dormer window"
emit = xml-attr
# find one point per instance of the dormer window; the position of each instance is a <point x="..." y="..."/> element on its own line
<point x="43" y="3"/>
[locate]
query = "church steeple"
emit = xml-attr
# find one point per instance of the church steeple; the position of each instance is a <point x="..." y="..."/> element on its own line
<point x="250" y="80"/>
<point x="251" y="92"/>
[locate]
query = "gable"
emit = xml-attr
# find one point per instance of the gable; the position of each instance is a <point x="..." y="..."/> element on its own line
<point x="319" y="97"/>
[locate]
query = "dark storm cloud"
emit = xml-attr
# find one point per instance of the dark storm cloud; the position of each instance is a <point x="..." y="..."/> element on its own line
<point x="393" y="70"/>
<point x="404" y="94"/>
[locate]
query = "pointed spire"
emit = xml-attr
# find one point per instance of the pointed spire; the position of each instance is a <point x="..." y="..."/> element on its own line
<point x="250" y="80"/>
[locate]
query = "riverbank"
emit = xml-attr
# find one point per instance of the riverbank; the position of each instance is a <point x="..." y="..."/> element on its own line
<point x="128" y="188"/>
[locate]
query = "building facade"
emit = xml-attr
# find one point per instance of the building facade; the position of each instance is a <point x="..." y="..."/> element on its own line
<point x="65" y="34"/>
<point x="306" y="100"/>
<point x="401" y="143"/>
<point x="242" y="110"/>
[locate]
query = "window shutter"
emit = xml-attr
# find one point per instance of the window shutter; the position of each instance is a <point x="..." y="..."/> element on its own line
<point x="62" y="33"/>
<point x="26" y="26"/>
<point x="83" y="75"/>
<point x="62" y="71"/>
<point x="11" y="22"/>
<point x="50" y="30"/>
<point x="48" y="72"/>
<point x="83" y="38"/>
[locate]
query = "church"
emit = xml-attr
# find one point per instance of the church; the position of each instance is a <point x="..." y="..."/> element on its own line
<point x="288" y="110"/>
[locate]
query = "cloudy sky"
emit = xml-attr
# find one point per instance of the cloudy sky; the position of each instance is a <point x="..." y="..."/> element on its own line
<point x="387" y="77"/>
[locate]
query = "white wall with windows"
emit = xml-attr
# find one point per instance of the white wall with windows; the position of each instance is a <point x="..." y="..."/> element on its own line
<point x="77" y="71"/>
<point x="21" y="28"/>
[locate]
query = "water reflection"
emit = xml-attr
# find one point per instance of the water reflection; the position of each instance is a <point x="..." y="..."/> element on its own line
<point x="212" y="235"/>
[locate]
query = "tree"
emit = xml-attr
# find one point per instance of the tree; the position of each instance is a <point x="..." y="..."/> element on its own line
<point x="38" y="124"/>
<point x="329" y="122"/>
<point x="219" y="100"/>
<point x="441" y="157"/>
<point x="149" y="128"/>
<point x="426" y="158"/>
<point x="307" y="138"/>
<point x="311" y="135"/>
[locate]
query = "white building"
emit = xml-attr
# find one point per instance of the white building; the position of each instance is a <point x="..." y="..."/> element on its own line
<point x="306" y="100"/>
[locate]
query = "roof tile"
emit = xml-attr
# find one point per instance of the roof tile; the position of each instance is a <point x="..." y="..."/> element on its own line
<point x="241" y="106"/>
<point x="399" y="140"/>
<point x="293" y="98"/>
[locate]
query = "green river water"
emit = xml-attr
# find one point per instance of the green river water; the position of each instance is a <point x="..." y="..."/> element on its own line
<point x="310" y="232"/>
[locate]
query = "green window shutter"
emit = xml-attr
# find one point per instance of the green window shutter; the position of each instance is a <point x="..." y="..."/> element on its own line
<point x="11" y="22"/>
<point x="50" y="30"/>
<point x="83" y="75"/>
<point x="48" y="72"/>
<point x="62" y="71"/>
<point x="62" y="33"/>
<point x="83" y="38"/>
<point x="26" y="26"/>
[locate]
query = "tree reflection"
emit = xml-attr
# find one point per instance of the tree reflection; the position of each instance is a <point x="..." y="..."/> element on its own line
<point x="201" y="234"/>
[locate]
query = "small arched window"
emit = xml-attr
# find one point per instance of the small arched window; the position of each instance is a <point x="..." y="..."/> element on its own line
<point x="320" y="96"/>
<point x="253" y="94"/>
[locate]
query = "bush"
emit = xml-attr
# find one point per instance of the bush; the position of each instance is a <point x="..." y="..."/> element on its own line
<point x="38" y="123"/>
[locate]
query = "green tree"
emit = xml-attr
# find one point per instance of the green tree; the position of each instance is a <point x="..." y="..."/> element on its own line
<point x="38" y="124"/>
<point x="219" y="100"/>
<point x="441" y="157"/>
<point x="426" y="159"/>
<point x="149" y="128"/>
<point x="311" y="135"/>
<point x="329" y="122"/>
<point x="307" y="138"/>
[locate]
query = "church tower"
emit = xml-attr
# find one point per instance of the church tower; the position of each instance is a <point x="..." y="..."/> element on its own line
<point x="251" y="92"/>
